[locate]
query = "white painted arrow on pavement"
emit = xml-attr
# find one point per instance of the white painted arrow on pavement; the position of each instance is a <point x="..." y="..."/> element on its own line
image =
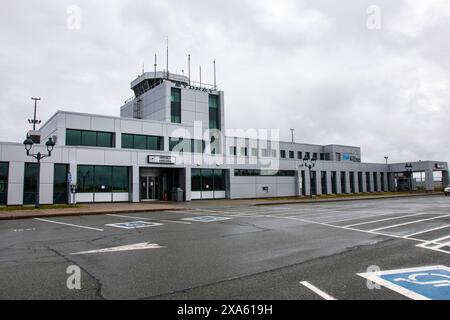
<point x="131" y="247"/>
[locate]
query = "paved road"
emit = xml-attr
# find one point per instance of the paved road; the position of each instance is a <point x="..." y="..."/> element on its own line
<point x="296" y="251"/>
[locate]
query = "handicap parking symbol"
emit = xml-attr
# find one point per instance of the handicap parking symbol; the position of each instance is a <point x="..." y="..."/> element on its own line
<point x="206" y="219"/>
<point x="425" y="283"/>
<point x="134" y="225"/>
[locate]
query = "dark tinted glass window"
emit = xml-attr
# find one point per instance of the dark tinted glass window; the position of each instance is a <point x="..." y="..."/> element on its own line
<point x="73" y="137"/>
<point x="85" y="178"/>
<point x="103" y="179"/>
<point x="140" y="142"/>
<point x="207" y="180"/>
<point x="4" y="168"/>
<point x="105" y="139"/>
<point x="60" y="183"/>
<point x="291" y="154"/>
<point x="214" y="112"/>
<point x="89" y="138"/>
<point x="127" y="141"/>
<point x="175" y="105"/>
<point x="154" y="143"/>
<point x="30" y="182"/>
<point x="219" y="180"/>
<point x="196" y="182"/>
<point x="283" y="154"/>
<point x="120" y="179"/>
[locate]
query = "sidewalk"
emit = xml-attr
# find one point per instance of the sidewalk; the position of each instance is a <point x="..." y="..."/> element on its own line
<point x="87" y="209"/>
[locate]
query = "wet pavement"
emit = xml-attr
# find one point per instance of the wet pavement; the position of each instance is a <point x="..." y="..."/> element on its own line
<point x="226" y="252"/>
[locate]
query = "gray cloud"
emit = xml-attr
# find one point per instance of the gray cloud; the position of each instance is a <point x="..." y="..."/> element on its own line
<point x="311" y="65"/>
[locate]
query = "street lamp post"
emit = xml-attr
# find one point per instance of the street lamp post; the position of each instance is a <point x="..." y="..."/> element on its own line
<point x="409" y="169"/>
<point x="310" y="163"/>
<point x="50" y="144"/>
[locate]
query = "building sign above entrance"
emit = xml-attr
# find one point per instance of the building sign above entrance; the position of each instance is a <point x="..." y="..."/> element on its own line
<point x="161" y="159"/>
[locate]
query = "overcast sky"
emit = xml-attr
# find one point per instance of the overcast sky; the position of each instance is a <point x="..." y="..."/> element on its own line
<point x="312" y="65"/>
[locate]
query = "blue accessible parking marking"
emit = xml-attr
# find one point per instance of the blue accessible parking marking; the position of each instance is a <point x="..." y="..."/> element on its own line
<point x="425" y="283"/>
<point x="134" y="225"/>
<point x="206" y="219"/>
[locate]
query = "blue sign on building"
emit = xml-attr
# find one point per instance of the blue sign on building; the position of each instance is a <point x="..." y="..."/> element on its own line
<point x="425" y="283"/>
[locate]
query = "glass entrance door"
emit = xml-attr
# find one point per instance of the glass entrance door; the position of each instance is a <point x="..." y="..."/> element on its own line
<point x="150" y="188"/>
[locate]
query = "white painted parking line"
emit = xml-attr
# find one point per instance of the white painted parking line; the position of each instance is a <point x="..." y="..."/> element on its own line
<point x="386" y="219"/>
<point x="147" y="219"/>
<point x="68" y="224"/>
<point x="426" y="231"/>
<point x="316" y="290"/>
<point x="408" y="223"/>
<point x="131" y="247"/>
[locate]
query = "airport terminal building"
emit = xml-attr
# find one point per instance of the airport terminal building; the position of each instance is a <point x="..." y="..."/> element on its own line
<point x="171" y="137"/>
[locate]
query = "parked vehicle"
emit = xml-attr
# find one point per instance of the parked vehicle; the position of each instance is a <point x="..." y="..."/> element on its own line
<point x="447" y="190"/>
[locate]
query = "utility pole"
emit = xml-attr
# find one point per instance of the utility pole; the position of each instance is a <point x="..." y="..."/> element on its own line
<point x="292" y="135"/>
<point x="34" y="121"/>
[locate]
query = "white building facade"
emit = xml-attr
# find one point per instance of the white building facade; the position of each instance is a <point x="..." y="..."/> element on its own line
<point x="171" y="137"/>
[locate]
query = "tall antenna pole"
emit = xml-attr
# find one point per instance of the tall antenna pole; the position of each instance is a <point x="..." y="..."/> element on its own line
<point x="200" y="76"/>
<point x="34" y="121"/>
<point x="215" y="83"/>
<point x="189" y="69"/>
<point x="155" y="66"/>
<point x="292" y="135"/>
<point x="167" y="58"/>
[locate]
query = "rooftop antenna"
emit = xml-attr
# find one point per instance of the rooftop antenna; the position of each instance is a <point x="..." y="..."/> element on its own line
<point x="34" y="121"/>
<point x="167" y="58"/>
<point x="155" y="66"/>
<point x="200" y="76"/>
<point x="189" y="69"/>
<point x="215" y="83"/>
<point x="143" y="68"/>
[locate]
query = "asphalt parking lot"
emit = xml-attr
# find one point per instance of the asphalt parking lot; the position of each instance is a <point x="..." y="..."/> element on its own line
<point x="295" y="251"/>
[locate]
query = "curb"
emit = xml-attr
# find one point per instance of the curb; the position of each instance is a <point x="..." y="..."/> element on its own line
<point x="81" y="213"/>
<point x="347" y="199"/>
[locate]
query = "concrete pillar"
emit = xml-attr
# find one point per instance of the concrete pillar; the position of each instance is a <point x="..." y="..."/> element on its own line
<point x="347" y="182"/>
<point x="391" y="182"/>
<point x="356" y="182"/>
<point x="379" y="180"/>
<point x="187" y="183"/>
<point x="46" y="183"/>
<point x="363" y="183"/>
<point x="319" y="182"/>
<point x="329" y="184"/>
<point x="135" y="184"/>
<point x="338" y="183"/>
<point x="307" y="183"/>
<point x="386" y="183"/>
<point x="372" y="185"/>
<point x="15" y="183"/>
<point x="429" y="180"/>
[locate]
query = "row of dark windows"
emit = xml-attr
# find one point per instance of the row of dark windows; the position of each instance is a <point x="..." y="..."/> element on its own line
<point x="260" y="172"/>
<point x="102" y="179"/>
<point x="208" y="180"/>
<point x="89" y="138"/>
<point x="4" y="172"/>
<point x="134" y="141"/>
<point x="175" y="105"/>
<point x="300" y="154"/>
<point x="186" y="145"/>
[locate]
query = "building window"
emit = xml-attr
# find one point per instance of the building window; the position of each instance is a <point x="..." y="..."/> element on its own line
<point x="30" y="183"/>
<point x="60" y="187"/>
<point x="133" y="141"/>
<point x="299" y="155"/>
<point x="244" y="152"/>
<point x="186" y="145"/>
<point x="291" y="154"/>
<point x="100" y="179"/>
<point x="208" y="180"/>
<point x="333" y="182"/>
<point x="375" y="181"/>
<point x="307" y="155"/>
<point x="258" y="172"/>
<point x="343" y="182"/>
<point x="254" y="152"/>
<point x="4" y="172"/>
<point x="233" y="151"/>
<point x="88" y="138"/>
<point x="338" y="156"/>
<point x="283" y="154"/>
<point x="175" y="105"/>
<point x="214" y="112"/>
<point x="323" y="180"/>
<point x="315" y="155"/>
